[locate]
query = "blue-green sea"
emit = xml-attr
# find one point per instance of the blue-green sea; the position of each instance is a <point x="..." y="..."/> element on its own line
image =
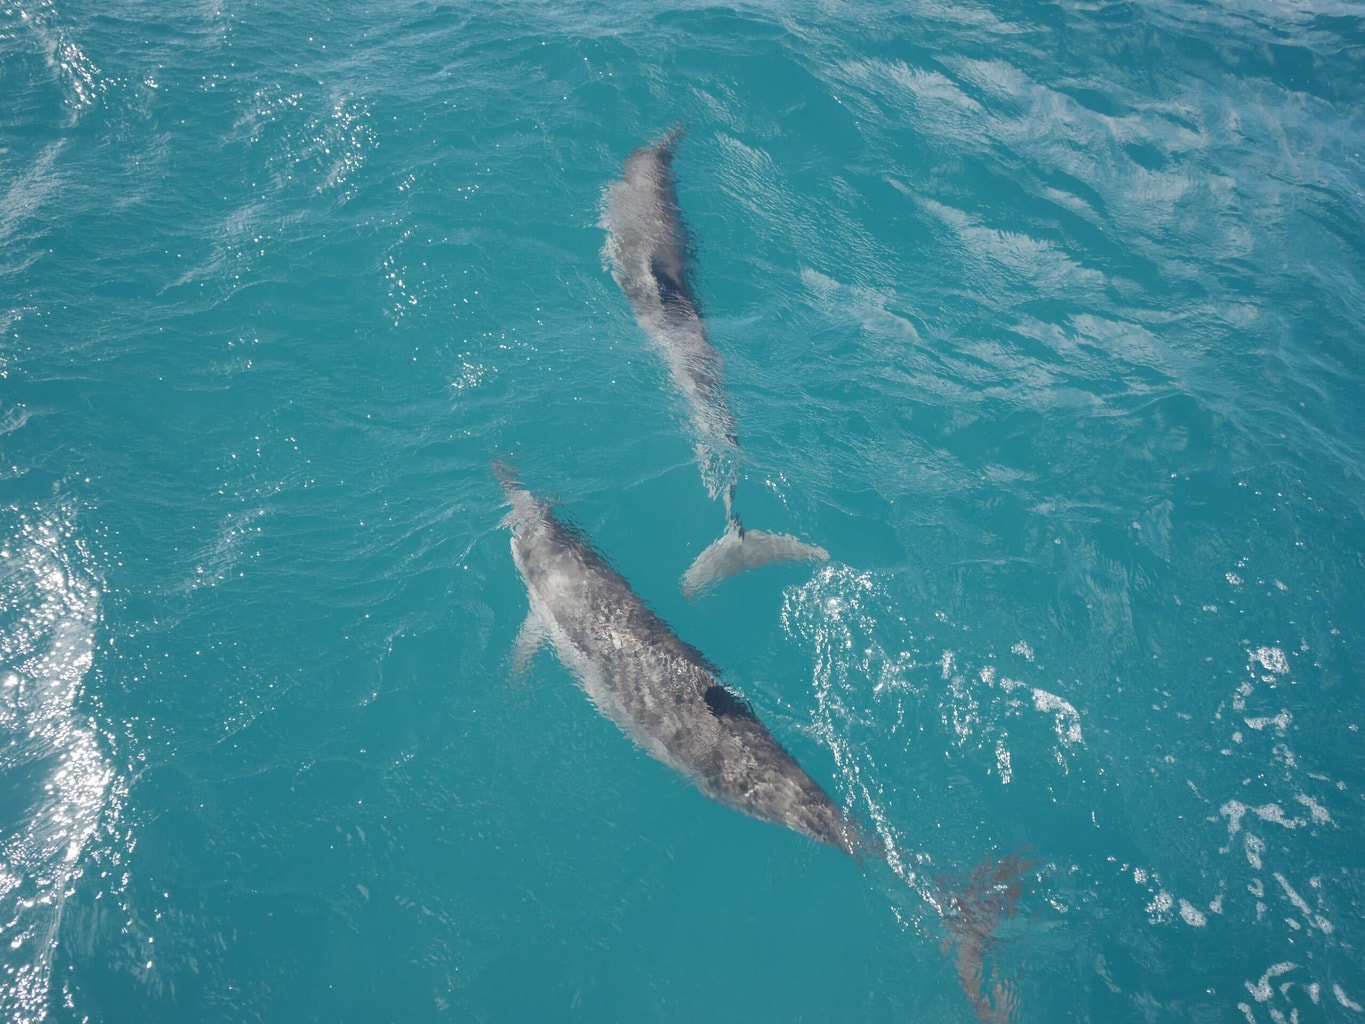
<point x="1047" y="320"/>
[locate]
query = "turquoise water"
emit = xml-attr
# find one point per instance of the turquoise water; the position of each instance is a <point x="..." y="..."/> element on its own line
<point x="1045" y="320"/>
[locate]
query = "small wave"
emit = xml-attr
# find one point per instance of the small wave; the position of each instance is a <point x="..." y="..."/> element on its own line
<point x="78" y="74"/>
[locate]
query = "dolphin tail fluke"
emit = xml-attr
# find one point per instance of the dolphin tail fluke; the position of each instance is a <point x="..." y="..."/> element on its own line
<point x="974" y="915"/>
<point x="739" y="549"/>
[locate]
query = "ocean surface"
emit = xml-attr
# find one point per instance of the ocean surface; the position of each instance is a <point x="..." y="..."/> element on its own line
<point x="1046" y="320"/>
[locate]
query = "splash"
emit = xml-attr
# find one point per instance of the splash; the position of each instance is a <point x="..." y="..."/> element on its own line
<point x="1289" y="800"/>
<point x="49" y="609"/>
<point x="869" y="680"/>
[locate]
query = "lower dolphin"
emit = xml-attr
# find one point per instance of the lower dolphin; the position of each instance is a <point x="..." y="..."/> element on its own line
<point x="660" y="690"/>
<point x="664" y="694"/>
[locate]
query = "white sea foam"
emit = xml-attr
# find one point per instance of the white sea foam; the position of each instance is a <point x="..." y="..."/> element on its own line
<point x="1344" y="999"/>
<point x="1271" y="659"/>
<point x="1161" y="905"/>
<point x="1312" y="919"/>
<point x="1191" y="914"/>
<point x="1262" y="991"/>
<point x="1067" y="719"/>
<point x="1279" y="721"/>
<point x="1318" y="812"/>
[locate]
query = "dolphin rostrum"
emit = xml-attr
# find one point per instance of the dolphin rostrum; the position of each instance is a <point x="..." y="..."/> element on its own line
<point x="660" y="690"/>
<point x="648" y="248"/>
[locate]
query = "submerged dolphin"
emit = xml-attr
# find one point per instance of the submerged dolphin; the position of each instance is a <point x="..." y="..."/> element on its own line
<point x="648" y="248"/>
<point x="658" y="689"/>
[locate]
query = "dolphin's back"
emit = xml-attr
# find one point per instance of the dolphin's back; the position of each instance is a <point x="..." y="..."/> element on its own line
<point x="650" y="256"/>
<point x="660" y="689"/>
<point x="649" y="242"/>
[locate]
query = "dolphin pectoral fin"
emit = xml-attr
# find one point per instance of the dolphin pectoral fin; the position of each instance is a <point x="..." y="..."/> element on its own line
<point x="530" y="638"/>
<point x="740" y="549"/>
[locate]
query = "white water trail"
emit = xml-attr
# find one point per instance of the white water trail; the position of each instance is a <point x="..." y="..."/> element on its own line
<point x="870" y="689"/>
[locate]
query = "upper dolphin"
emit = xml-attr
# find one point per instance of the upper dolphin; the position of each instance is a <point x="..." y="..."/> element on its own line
<point x="658" y="689"/>
<point x="648" y="248"/>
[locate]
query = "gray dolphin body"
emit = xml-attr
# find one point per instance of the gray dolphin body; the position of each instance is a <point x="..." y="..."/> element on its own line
<point x="658" y="689"/>
<point x="648" y="249"/>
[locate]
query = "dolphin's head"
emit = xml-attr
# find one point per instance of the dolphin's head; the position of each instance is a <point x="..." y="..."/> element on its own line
<point x="652" y="166"/>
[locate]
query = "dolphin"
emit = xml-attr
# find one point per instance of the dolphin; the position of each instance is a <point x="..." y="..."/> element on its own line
<point x="648" y="250"/>
<point x="659" y="689"/>
<point x="664" y="694"/>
